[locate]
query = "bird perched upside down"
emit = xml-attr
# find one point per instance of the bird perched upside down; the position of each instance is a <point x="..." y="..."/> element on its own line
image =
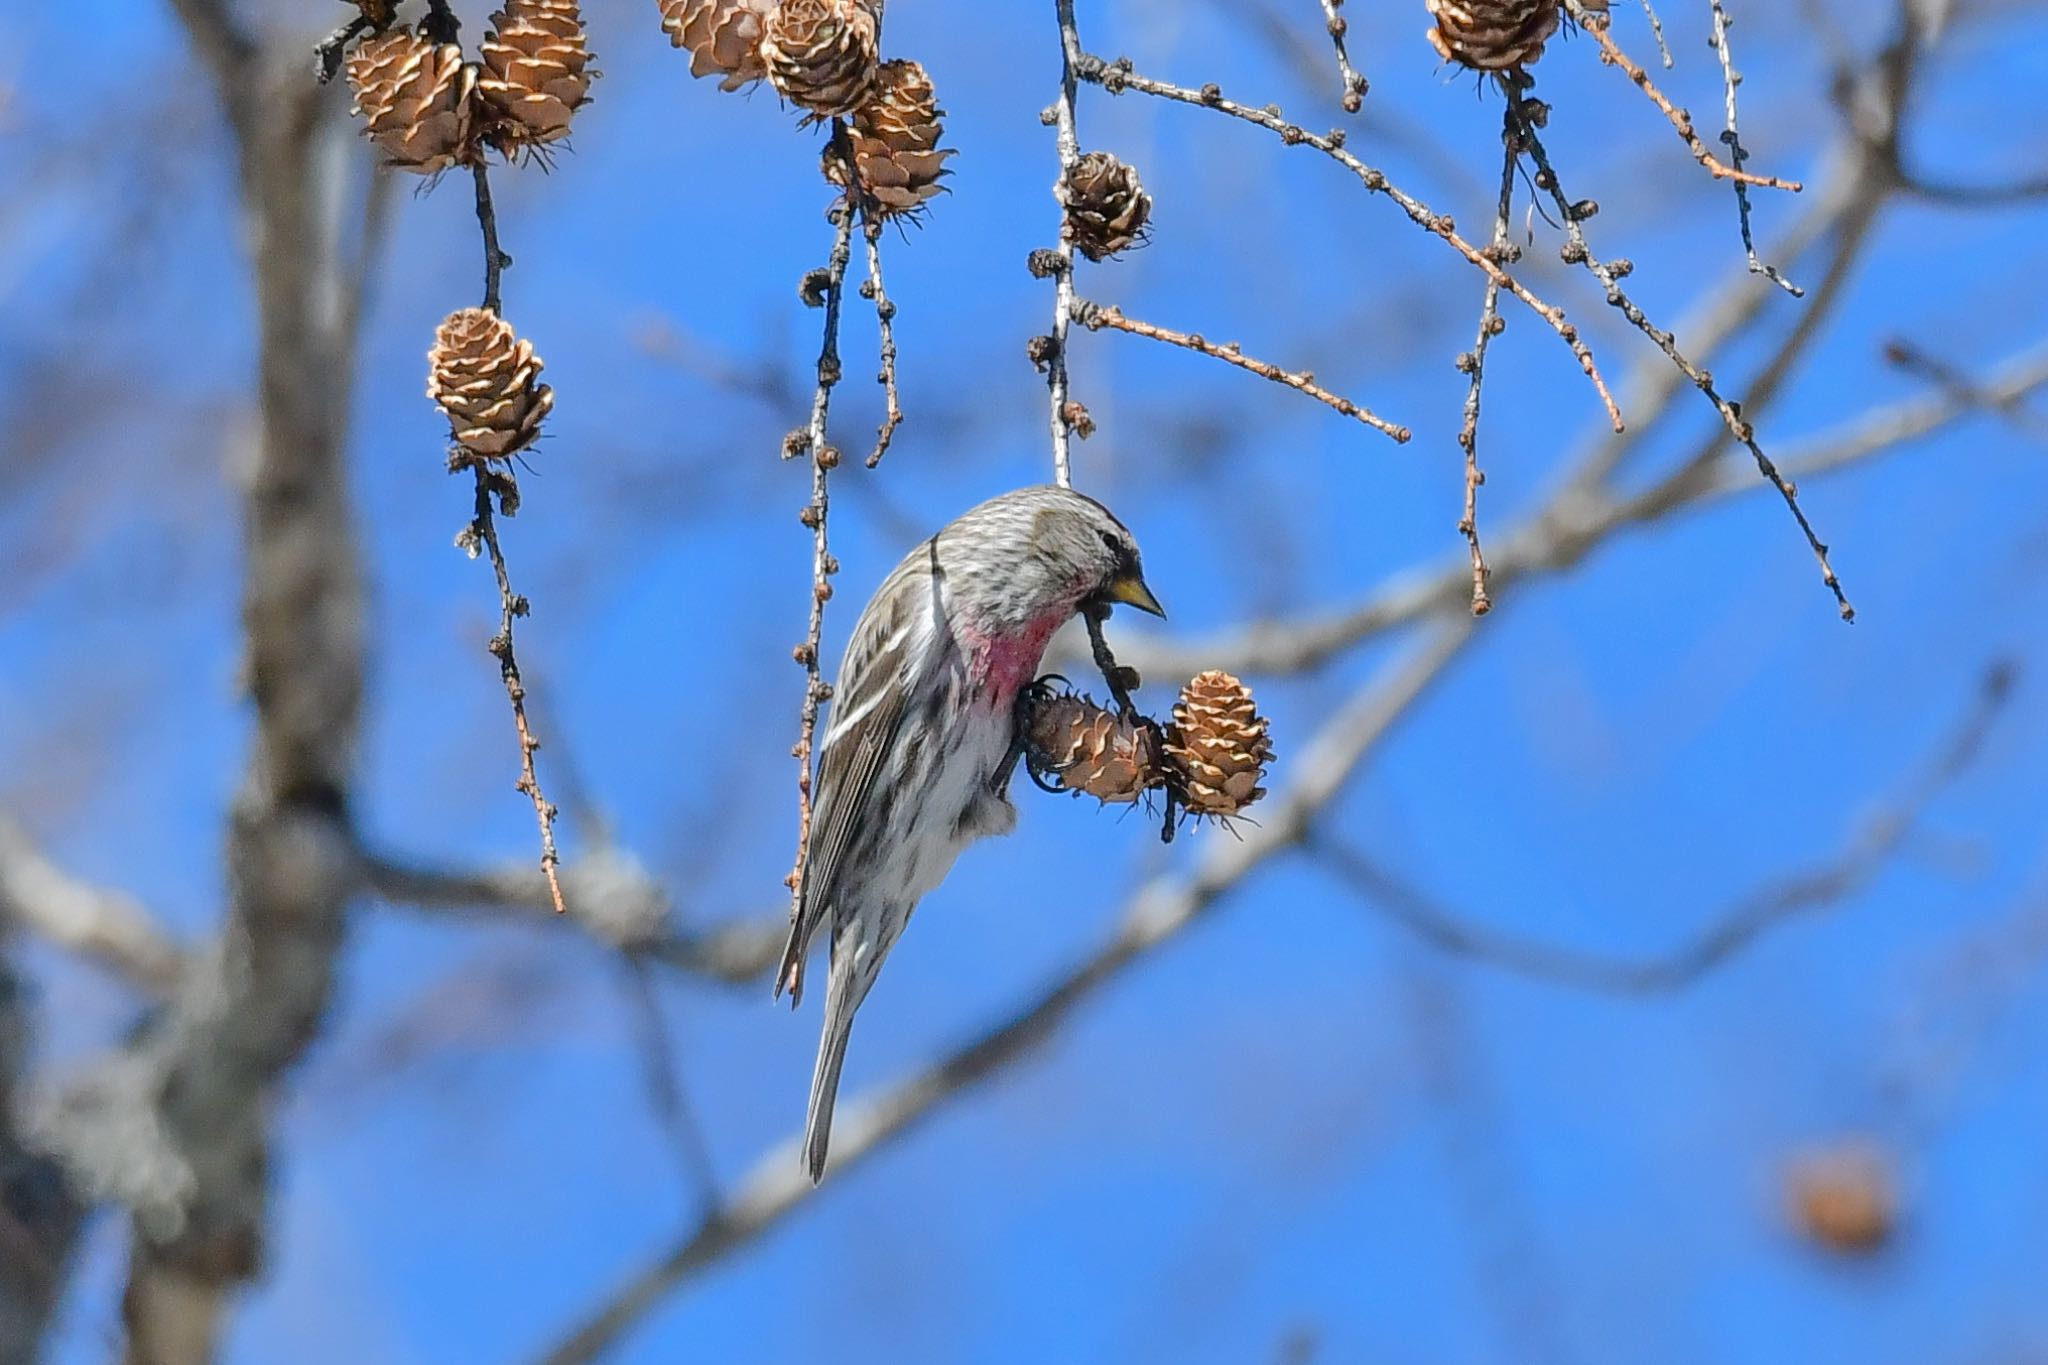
<point x="921" y="742"/>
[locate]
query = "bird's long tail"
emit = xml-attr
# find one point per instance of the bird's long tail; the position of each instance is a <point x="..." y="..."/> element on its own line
<point x="842" y="998"/>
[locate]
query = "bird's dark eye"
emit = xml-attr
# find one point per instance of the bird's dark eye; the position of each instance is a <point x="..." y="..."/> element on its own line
<point x="1109" y="539"/>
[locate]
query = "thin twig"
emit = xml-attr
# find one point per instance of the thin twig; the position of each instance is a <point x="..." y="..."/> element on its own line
<point x="666" y="1093"/>
<point x="1503" y="250"/>
<point x="1120" y="680"/>
<point x="495" y="259"/>
<point x="1911" y="359"/>
<point x="441" y="25"/>
<point x="1060" y="258"/>
<point x="885" y="323"/>
<point x="1611" y="54"/>
<point x="483" y="533"/>
<point x="1731" y="137"/>
<point x="1096" y="316"/>
<point x="1118" y="77"/>
<point x="1657" y="30"/>
<point x="1354" y="84"/>
<point x="1849" y="871"/>
<point x="1528" y="115"/>
<point x="327" y="56"/>
<point x="823" y="288"/>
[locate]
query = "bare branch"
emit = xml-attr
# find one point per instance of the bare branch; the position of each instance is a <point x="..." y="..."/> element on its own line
<point x="1612" y="54"/>
<point x="1560" y="536"/>
<point x="1354" y="85"/>
<point x="1095" y="317"/>
<point x="1841" y="877"/>
<point x="885" y="323"/>
<point x="1161" y="909"/>
<point x="109" y="927"/>
<point x="611" y="896"/>
<point x="825" y="289"/>
<point x="1118" y="77"/>
<point x="1061" y="256"/>
<point x="1731" y="137"/>
<point x="1503" y="250"/>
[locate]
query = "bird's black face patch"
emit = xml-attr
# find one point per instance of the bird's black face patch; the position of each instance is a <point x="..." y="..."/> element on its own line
<point x="1123" y="557"/>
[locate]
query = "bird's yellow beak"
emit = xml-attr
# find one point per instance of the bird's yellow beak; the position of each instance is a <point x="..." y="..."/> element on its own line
<point x="1132" y="591"/>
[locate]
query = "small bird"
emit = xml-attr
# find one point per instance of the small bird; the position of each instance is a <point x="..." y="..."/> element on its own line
<point x="921" y="741"/>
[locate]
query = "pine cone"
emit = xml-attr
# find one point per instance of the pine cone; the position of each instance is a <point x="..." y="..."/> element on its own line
<point x="1218" y="745"/>
<point x="821" y="54"/>
<point x="536" y="71"/>
<point x="723" y="37"/>
<point x="1106" y="207"/>
<point x="1495" y="35"/>
<point x="415" y="96"/>
<point x="484" y="377"/>
<point x="895" y="138"/>
<point x="1091" y="749"/>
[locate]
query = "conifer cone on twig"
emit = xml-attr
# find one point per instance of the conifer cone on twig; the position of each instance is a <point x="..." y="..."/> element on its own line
<point x="723" y="37"/>
<point x="1088" y="748"/>
<point x="536" y="71"/>
<point x="894" y="139"/>
<point x="415" y="98"/>
<point x="822" y="55"/>
<point x="486" y="380"/>
<point x="1495" y="35"/>
<point x="1218" y="745"/>
<point x="1106" y="207"/>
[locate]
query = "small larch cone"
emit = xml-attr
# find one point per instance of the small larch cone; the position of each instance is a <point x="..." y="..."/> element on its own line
<point x="536" y="71"/>
<point x="1091" y="749"/>
<point x="415" y="97"/>
<point x="1218" y="745"/>
<point x="486" y="380"/>
<point x="1106" y="207"/>
<point x="1845" y="1201"/>
<point x="1493" y="35"/>
<point x="821" y="55"/>
<point x="895" y="141"/>
<point x="723" y="37"/>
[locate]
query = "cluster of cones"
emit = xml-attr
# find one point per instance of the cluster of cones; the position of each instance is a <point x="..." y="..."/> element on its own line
<point x="1497" y="35"/>
<point x="824" y="57"/>
<point x="1208" y="761"/>
<point x="428" y="107"/>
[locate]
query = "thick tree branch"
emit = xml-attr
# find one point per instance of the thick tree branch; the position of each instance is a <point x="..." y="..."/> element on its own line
<point x="110" y="927"/>
<point x="610" y="896"/>
<point x="209" y="1069"/>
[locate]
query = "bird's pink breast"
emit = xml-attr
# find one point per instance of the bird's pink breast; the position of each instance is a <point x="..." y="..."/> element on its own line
<point x="1005" y="663"/>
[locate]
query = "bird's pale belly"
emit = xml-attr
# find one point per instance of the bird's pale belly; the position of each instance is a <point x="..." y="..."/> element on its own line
<point x="960" y="806"/>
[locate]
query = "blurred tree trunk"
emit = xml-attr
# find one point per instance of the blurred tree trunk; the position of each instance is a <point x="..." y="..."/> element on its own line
<point x="254" y="1003"/>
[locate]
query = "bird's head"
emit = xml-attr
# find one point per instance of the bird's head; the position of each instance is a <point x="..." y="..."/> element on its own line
<point x="1041" y="554"/>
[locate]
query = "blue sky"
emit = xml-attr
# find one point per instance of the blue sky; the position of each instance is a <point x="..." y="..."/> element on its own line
<point x="1294" y="1119"/>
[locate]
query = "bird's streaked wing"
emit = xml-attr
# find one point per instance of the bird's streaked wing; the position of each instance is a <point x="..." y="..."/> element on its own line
<point x="865" y="718"/>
